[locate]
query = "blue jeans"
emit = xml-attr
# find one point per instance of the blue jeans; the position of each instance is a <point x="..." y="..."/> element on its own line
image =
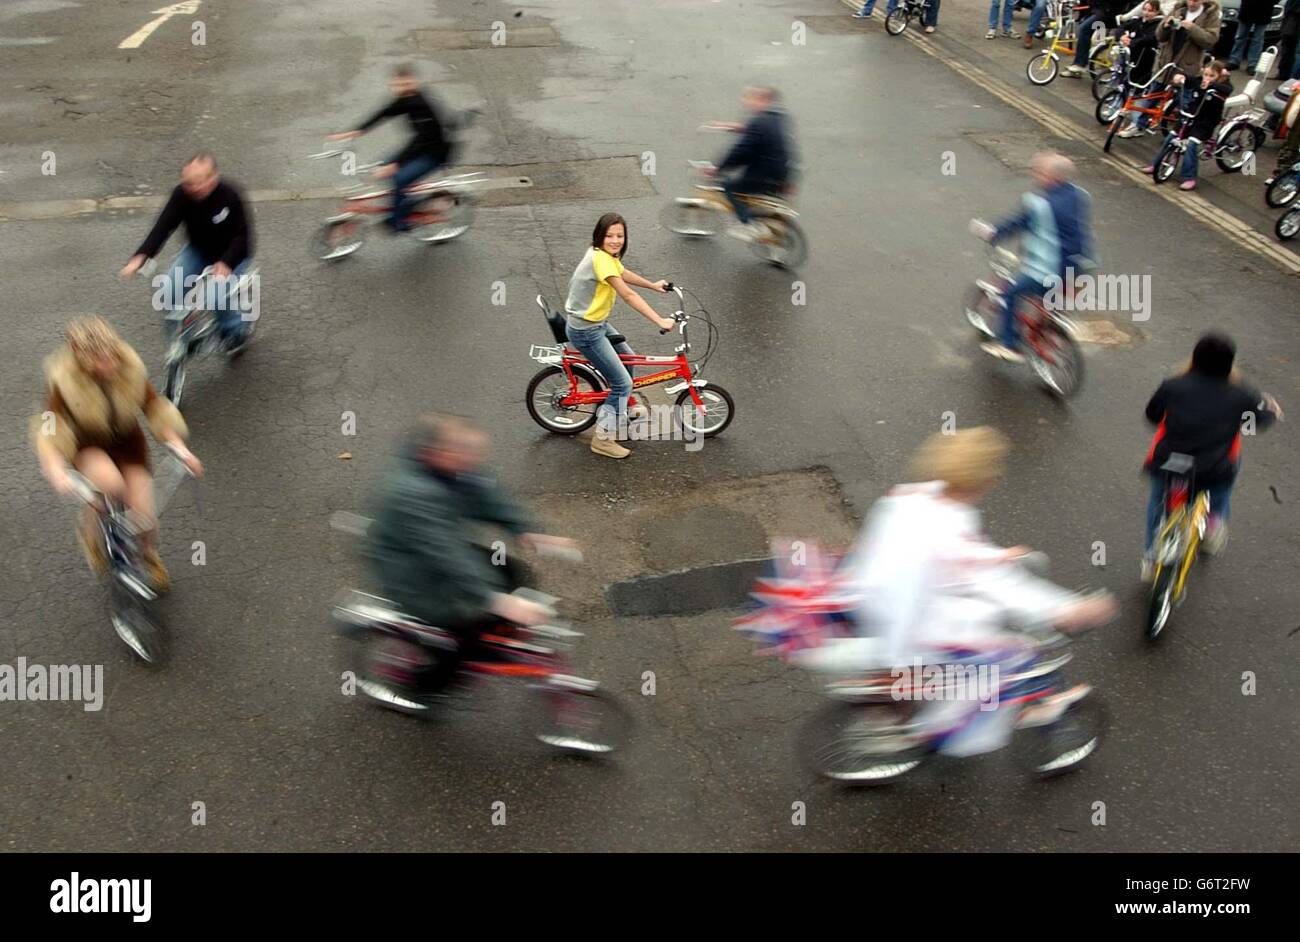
<point x="1254" y="32"/>
<point x="189" y="263"/>
<point x="732" y="188"/>
<point x="1083" y="40"/>
<point x="594" y="344"/>
<point x="406" y="175"/>
<point x="871" y="5"/>
<point x="1036" y="17"/>
<point x="1008" y="7"/>
<point x="1024" y="286"/>
<point x="931" y="14"/>
<point x="1220" y="503"/>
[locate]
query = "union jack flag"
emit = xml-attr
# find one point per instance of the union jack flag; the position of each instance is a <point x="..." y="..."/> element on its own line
<point x="803" y="603"/>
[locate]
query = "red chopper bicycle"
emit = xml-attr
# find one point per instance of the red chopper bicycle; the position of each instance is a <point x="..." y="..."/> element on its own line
<point x="564" y="396"/>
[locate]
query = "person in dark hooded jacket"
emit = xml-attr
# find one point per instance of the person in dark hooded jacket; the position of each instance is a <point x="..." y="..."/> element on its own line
<point x="421" y="544"/>
<point x="1204" y="96"/>
<point x="1203" y="413"/>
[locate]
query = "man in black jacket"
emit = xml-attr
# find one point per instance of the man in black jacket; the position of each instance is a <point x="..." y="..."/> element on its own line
<point x="427" y="149"/>
<point x="1105" y="12"/>
<point x="220" y="236"/>
<point x="762" y="156"/>
<point x="1203" y="413"/>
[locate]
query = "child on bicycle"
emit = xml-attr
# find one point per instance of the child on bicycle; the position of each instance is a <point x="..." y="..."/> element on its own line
<point x="1202" y="413"/>
<point x="1203" y="96"/>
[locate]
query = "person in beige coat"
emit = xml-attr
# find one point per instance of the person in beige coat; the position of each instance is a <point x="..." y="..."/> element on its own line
<point x="95" y="387"/>
<point x="1188" y="33"/>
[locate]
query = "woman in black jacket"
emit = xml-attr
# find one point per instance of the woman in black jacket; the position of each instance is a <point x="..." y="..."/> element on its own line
<point x="1203" y="413"/>
<point x="1138" y="33"/>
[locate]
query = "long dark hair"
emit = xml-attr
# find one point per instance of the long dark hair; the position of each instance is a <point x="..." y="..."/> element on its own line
<point x="602" y="226"/>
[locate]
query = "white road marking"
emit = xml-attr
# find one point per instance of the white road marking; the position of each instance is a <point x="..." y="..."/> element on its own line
<point x="136" y="39"/>
<point x="1196" y="206"/>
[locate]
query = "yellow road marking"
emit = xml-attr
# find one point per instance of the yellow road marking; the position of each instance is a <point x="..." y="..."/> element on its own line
<point x="136" y="39"/>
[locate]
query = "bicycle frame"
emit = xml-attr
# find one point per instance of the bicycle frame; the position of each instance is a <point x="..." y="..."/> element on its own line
<point x="668" y="368"/>
<point x="1159" y="99"/>
<point x="1182" y="529"/>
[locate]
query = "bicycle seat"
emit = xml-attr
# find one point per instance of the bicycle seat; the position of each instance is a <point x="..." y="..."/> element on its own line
<point x="1178" y="463"/>
<point x="1277" y="100"/>
<point x="555" y="320"/>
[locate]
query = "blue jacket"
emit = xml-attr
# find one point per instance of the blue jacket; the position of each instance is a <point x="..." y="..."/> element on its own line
<point x="1057" y="224"/>
<point x="762" y="149"/>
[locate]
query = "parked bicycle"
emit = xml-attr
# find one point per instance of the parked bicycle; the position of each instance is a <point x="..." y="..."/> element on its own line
<point x="1230" y="147"/>
<point x="699" y="216"/>
<point x="1178" y="540"/>
<point x="131" y="596"/>
<point x="193" y="331"/>
<point x="1153" y="99"/>
<point x="897" y="19"/>
<point x="1282" y="191"/>
<point x="1043" y="68"/>
<point x="1288" y="224"/>
<point x="564" y="396"/>
<point x="1048" y="337"/>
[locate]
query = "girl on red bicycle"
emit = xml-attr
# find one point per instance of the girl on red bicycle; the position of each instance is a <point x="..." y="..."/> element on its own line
<point x="599" y="277"/>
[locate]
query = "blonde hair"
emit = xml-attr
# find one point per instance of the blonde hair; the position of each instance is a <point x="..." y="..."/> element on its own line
<point x="93" y="336"/>
<point x="969" y="460"/>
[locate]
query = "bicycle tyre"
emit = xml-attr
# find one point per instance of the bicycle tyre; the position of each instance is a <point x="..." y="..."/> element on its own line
<point x="859" y="743"/>
<point x="690" y="217"/>
<point x="896" y="21"/>
<point x="1114" y="129"/>
<point x="1288" y="224"/>
<point x="1166" y="163"/>
<point x="1045" y="77"/>
<point x="689" y="414"/>
<point x="1244" y="140"/>
<point x="337" y="239"/>
<point x="457" y="210"/>
<point x="1063" y="377"/>
<point x="174" y="386"/>
<point x="1109" y="107"/>
<point x="604" y="726"/>
<point x="793" y="248"/>
<point x="1160" y="607"/>
<point x="1282" y="191"/>
<point x="558" y="420"/>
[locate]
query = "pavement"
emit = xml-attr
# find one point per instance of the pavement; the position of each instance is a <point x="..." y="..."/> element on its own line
<point x="597" y="105"/>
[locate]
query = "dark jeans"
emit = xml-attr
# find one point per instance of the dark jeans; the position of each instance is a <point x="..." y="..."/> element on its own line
<point x="1083" y="40"/>
<point x="407" y="174"/>
<point x="468" y="634"/>
<point x="1023" y="287"/>
<point x="746" y="185"/>
<point x="1220" y="503"/>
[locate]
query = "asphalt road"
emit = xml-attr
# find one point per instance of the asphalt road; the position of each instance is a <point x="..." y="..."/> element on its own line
<point x="833" y="395"/>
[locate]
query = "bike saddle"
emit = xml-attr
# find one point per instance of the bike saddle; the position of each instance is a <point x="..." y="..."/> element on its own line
<point x="1178" y="464"/>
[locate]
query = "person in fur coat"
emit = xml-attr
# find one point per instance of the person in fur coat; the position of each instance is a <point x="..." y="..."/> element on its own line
<point x="95" y="388"/>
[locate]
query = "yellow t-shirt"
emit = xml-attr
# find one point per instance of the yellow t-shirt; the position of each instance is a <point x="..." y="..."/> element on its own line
<point x="591" y="297"/>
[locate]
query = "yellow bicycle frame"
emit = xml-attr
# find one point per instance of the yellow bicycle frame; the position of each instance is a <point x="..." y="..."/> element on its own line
<point x="1193" y="525"/>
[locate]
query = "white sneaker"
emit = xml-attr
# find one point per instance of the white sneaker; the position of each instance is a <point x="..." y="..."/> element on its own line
<point x="1131" y="131"/>
<point x="991" y="34"/>
<point x="1148" y="569"/>
<point x="1216" y="537"/>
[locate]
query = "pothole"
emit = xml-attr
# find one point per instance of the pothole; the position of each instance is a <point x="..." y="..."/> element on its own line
<point x="1104" y="332"/>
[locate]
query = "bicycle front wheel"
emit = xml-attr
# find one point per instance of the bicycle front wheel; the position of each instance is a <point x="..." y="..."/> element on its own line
<point x="1109" y="106"/>
<point x="1236" y="147"/>
<point x="1166" y="163"/>
<point x="717" y="412"/>
<point x="982" y="312"/>
<point x="896" y="21"/>
<point x="1115" y="126"/>
<point x="1282" y="191"/>
<point x="693" y="218"/>
<point x="588" y="722"/>
<point x="1042" y="68"/>
<point x="1161" y="605"/>
<point x="174" y="387"/>
<point x="442" y="216"/>
<point x="136" y="626"/>
<point x="1288" y="225"/>
<point x="337" y="239"/>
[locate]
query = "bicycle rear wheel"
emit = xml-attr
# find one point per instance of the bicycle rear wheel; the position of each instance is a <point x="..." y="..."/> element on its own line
<point x="693" y="218"/>
<point x="1057" y="360"/>
<point x="982" y="312"/>
<point x="1042" y="68"/>
<point x="860" y="743"/>
<point x="135" y="625"/>
<point x="786" y="248"/>
<point x="545" y="395"/>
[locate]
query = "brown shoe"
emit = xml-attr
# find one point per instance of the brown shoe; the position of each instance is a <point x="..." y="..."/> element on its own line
<point x="604" y="444"/>
<point x="1029" y="40"/>
<point x="157" y="572"/>
<point x="92" y="543"/>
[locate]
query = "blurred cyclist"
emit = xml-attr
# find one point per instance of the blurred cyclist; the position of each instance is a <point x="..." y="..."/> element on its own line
<point x="427" y="149"/>
<point x="760" y="161"/>
<point x="220" y="235"/>
<point x="1057" y="225"/>
<point x="95" y="387"/>
<point x="929" y="580"/>
<point x="422" y="542"/>
<point x="1201" y="413"/>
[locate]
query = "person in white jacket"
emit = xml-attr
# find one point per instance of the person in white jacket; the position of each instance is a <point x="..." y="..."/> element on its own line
<point x="928" y="580"/>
